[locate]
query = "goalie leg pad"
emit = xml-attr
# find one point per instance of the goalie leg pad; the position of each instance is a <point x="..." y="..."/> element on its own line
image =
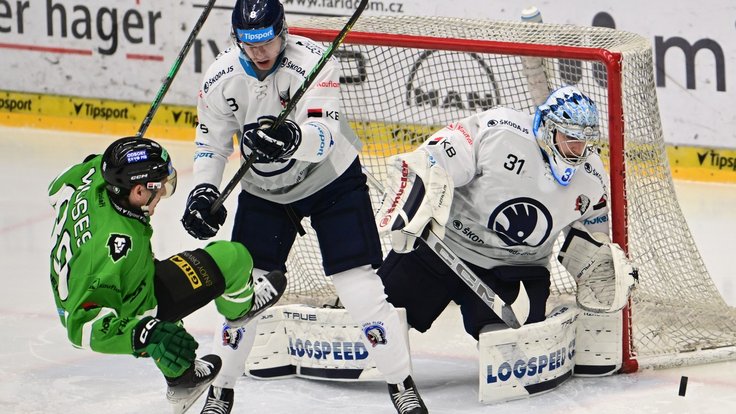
<point x="598" y="343"/>
<point x="536" y="358"/>
<point x="312" y="343"/>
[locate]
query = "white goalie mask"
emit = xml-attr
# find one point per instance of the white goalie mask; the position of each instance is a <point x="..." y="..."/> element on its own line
<point x="573" y="114"/>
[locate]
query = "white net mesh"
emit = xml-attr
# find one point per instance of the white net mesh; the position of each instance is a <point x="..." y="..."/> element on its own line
<point x="404" y="77"/>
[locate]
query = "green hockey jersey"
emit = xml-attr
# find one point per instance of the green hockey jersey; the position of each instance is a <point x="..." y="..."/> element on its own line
<point x="102" y="265"/>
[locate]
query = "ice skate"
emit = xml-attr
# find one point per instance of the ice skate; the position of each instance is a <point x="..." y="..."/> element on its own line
<point x="184" y="390"/>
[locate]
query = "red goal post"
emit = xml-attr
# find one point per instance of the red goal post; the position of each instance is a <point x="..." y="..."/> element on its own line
<point x="404" y="77"/>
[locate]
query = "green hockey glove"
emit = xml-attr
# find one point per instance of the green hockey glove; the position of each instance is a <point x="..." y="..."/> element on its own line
<point x="170" y="345"/>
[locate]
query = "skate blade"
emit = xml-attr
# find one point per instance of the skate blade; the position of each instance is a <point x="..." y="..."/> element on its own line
<point x="182" y="405"/>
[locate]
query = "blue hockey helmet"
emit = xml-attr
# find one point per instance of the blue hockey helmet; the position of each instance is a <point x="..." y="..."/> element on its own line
<point x="575" y="115"/>
<point x="258" y="21"/>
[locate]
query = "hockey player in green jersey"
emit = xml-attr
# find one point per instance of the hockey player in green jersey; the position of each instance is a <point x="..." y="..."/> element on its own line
<point x="113" y="296"/>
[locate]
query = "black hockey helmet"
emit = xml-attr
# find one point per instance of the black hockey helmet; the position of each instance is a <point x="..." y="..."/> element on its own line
<point x="134" y="160"/>
<point x="258" y="21"/>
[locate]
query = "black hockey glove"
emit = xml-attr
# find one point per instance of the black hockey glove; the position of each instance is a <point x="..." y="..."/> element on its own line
<point x="268" y="144"/>
<point x="197" y="220"/>
<point x="170" y="345"/>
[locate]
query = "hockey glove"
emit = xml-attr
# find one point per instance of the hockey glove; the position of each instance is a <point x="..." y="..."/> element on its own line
<point x="270" y="144"/>
<point x="197" y="220"/>
<point x="604" y="275"/>
<point x="418" y="195"/>
<point x="170" y="345"/>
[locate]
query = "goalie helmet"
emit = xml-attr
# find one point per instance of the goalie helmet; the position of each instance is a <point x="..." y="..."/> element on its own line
<point x="256" y="22"/>
<point x="575" y="115"/>
<point x="133" y="160"/>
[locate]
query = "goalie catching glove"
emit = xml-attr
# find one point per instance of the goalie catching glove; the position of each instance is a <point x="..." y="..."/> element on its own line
<point x="603" y="273"/>
<point x="269" y="144"/>
<point x="418" y="195"/>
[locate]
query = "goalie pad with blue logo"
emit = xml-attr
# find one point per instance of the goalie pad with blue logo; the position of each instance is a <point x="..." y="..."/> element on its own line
<point x="315" y="343"/>
<point x="536" y="358"/>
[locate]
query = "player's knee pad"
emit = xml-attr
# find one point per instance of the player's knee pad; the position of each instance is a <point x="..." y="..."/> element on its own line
<point x="233" y="345"/>
<point x="232" y="258"/>
<point x="236" y="265"/>
<point x="186" y="282"/>
<point x="361" y="292"/>
<point x="538" y="357"/>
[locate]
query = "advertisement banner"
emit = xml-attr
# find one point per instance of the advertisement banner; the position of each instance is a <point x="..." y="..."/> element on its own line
<point x="123" y="49"/>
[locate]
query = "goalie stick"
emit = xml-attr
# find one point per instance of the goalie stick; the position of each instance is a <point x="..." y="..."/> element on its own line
<point x="175" y="68"/>
<point x="290" y="106"/>
<point x="513" y="314"/>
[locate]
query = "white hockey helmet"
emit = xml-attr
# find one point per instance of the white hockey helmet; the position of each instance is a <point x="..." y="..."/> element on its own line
<point x="575" y="115"/>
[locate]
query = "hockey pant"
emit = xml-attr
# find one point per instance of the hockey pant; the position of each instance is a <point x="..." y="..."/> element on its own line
<point x="189" y="280"/>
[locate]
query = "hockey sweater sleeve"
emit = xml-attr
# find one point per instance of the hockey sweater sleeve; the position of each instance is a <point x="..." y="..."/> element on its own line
<point x="214" y="140"/>
<point x="318" y="115"/>
<point x="452" y="148"/>
<point x="93" y="322"/>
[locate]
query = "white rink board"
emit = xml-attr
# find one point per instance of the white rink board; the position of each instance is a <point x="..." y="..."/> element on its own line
<point x="87" y="58"/>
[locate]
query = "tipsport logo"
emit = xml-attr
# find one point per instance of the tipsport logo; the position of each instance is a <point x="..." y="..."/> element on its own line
<point x="258" y="35"/>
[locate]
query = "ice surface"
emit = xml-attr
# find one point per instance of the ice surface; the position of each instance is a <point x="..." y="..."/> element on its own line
<point x="41" y="373"/>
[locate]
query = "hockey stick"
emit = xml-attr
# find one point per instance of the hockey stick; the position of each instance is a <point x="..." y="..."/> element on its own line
<point x="513" y="314"/>
<point x="174" y="69"/>
<point x="292" y="102"/>
<point x="533" y="67"/>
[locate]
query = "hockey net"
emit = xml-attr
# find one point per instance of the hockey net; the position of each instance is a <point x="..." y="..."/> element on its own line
<point x="405" y="77"/>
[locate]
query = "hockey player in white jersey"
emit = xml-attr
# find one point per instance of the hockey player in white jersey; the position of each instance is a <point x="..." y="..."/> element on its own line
<point x="499" y="186"/>
<point x="307" y="167"/>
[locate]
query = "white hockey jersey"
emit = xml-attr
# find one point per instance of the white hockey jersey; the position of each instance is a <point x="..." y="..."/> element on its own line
<point x="507" y="207"/>
<point x="232" y="96"/>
